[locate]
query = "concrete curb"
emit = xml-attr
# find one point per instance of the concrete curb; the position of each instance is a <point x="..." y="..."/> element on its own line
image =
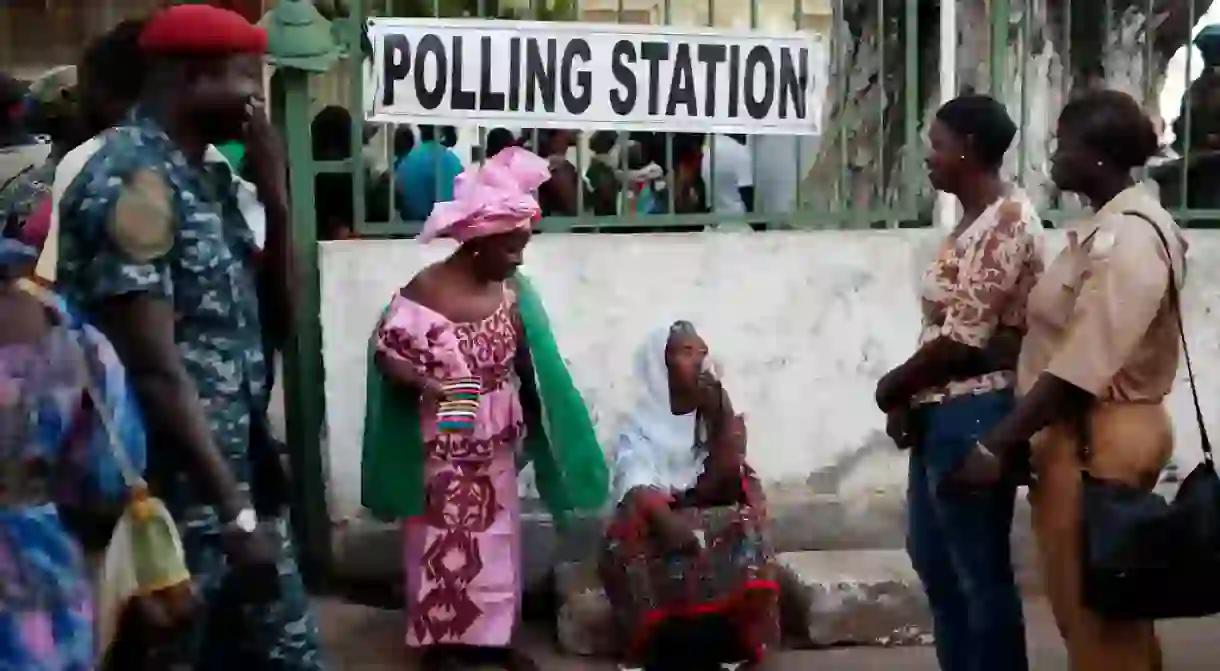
<point x="370" y="552"/>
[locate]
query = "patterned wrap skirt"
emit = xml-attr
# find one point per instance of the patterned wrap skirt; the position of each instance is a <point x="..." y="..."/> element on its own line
<point x="730" y="584"/>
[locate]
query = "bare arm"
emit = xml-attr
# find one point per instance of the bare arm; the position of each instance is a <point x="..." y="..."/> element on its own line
<point x="1051" y="399"/>
<point x="944" y="360"/>
<point x="275" y="294"/>
<point x="141" y="328"/>
<point x="269" y="174"/>
<point x="989" y="271"/>
<point x="719" y="483"/>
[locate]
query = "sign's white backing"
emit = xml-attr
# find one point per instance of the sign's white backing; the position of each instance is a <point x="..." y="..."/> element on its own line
<point x="594" y="76"/>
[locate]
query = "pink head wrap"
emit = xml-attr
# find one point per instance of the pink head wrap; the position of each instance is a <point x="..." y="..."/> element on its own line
<point x="492" y="199"/>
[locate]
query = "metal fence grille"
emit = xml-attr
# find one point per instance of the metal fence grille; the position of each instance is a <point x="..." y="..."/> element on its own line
<point x="859" y="174"/>
<point x="866" y="170"/>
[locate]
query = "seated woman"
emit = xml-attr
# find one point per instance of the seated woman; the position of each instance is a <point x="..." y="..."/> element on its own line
<point x="686" y="561"/>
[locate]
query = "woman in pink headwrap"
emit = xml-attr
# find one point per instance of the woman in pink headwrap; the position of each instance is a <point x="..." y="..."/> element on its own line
<point x="467" y="380"/>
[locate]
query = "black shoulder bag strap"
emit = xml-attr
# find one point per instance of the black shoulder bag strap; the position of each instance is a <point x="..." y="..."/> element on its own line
<point x="1175" y="303"/>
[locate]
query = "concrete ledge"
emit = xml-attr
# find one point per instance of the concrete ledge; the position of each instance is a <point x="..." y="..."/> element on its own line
<point x="369" y="551"/>
<point x="584" y="621"/>
<point x="853" y="597"/>
<point x="836" y="597"/>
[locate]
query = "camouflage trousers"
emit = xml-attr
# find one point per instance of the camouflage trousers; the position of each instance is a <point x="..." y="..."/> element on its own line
<point x="232" y="633"/>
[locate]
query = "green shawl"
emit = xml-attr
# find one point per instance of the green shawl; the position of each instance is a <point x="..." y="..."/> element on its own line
<point x="570" y="469"/>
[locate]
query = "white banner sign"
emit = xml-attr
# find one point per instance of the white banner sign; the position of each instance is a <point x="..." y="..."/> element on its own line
<point x="595" y="76"/>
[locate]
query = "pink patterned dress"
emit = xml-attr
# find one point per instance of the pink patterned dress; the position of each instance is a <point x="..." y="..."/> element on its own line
<point x="462" y="556"/>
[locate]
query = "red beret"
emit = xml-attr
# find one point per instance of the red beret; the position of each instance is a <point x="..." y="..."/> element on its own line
<point x="201" y="30"/>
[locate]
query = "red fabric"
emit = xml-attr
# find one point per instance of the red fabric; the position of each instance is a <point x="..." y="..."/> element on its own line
<point x="202" y="30"/>
<point x="252" y="10"/>
<point x="644" y="503"/>
<point x="740" y="608"/>
<point x="37" y="224"/>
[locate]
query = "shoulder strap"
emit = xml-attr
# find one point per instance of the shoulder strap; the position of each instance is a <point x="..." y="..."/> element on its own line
<point x="1175" y="302"/>
<point x="14" y="178"/>
<point x="97" y="400"/>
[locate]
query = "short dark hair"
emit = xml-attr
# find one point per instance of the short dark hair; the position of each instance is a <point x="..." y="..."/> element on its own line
<point x="982" y="120"/>
<point x="1113" y="125"/>
<point x="331" y="133"/>
<point x="404" y="139"/>
<point x="446" y="135"/>
<point x="603" y="141"/>
<point x="115" y="61"/>
<point x="499" y="139"/>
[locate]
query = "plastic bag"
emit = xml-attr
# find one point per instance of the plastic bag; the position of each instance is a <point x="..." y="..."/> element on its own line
<point x="144" y="556"/>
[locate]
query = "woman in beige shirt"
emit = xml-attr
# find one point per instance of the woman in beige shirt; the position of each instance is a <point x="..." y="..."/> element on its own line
<point x="1100" y="353"/>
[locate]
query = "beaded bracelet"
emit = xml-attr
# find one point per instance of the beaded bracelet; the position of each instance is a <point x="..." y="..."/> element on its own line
<point x="459" y="404"/>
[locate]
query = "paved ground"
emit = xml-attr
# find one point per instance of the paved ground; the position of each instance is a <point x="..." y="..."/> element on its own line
<point x="368" y="639"/>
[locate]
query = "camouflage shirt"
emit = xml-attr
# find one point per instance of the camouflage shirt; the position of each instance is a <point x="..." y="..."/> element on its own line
<point x="139" y="218"/>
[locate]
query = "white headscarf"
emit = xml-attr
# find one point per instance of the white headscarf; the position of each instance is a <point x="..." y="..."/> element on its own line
<point x="655" y="447"/>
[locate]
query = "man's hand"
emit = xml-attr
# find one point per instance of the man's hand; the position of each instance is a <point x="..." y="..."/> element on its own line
<point x="255" y="558"/>
<point x="980" y="468"/>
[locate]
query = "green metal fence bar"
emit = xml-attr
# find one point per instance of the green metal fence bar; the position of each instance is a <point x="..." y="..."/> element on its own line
<point x="840" y="34"/>
<point x="1188" y="112"/>
<point x="303" y="399"/>
<point x="910" y="94"/>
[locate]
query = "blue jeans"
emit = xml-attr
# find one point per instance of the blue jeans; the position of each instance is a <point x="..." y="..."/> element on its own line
<point x="959" y="541"/>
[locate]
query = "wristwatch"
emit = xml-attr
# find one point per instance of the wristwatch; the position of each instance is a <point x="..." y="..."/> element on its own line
<point x="245" y="522"/>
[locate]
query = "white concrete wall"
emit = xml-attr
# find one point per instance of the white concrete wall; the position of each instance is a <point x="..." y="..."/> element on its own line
<point x="805" y="323"/>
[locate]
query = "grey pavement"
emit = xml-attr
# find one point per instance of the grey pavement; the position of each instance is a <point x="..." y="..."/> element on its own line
<point x="370" y="639"/>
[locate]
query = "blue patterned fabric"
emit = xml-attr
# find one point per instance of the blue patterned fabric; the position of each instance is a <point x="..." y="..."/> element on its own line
<point x="208" y="275"/>
<point x="45" y="610"/>
<point x="14" y="253"/>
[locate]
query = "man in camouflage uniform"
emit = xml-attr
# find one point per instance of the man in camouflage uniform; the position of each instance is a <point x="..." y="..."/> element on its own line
<point x="154" y="248"/>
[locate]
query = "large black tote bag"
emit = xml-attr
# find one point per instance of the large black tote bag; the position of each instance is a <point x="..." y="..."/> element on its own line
<point x="1146" y="558"/>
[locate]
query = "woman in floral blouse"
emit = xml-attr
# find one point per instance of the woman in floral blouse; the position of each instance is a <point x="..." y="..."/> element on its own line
<point x="959" y="383"/>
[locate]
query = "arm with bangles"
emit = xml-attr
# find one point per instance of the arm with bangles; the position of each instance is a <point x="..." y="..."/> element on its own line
<point x="531" y="402"/>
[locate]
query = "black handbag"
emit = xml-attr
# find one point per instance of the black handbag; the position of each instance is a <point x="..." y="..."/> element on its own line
<point x="1146" y="558"/>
